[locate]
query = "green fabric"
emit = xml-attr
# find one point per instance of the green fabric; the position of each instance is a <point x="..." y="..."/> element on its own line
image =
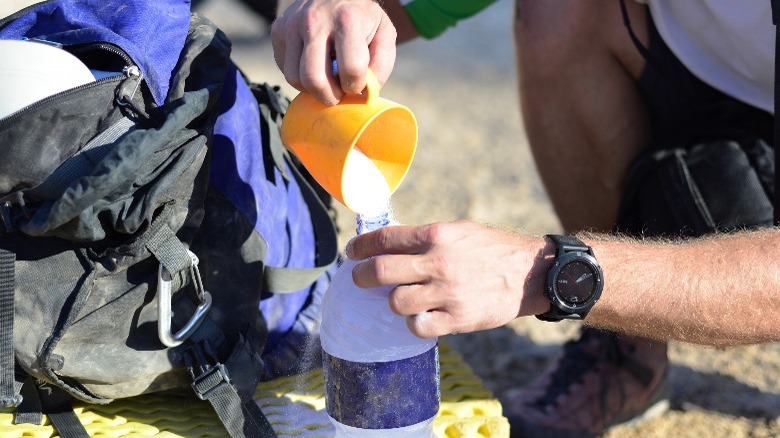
<point x="433" y="17"/>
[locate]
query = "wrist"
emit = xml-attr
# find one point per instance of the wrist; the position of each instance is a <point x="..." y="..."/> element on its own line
<point x="534" y="301"/>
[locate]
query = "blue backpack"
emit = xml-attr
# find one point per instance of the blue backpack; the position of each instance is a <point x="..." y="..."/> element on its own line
<point x="154" y="233"/>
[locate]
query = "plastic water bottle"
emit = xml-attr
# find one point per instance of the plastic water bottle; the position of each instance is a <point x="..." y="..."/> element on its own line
<point x="380" y="379"/>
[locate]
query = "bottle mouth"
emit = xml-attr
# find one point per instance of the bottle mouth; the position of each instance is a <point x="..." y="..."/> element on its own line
<point x="374" y="221"/>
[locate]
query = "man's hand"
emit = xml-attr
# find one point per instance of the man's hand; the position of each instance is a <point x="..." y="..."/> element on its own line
<point x="309" y="34"/>
<point x="454" y="277"/>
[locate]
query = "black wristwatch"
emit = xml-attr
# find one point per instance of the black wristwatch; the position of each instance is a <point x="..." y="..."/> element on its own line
<point x="574" y="282"/>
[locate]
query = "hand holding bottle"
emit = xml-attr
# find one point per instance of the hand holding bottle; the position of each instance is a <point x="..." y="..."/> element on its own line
<point x="454" y="277"/>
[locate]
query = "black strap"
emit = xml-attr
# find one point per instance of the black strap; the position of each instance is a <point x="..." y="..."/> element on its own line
<point x="8" y="395"/>
<point x="568" y="243"/>
<point x="44" y="398"/>
<point x="644" y="51"/>
<point x="285" y="280"/>
<point x="82" y="163"/>
<point x="776" y="21"/>
<point x="31" y="409"/>
<point x="650" y="57"/>
<point x="211" y="381"/>
<point x="281" y="279"/>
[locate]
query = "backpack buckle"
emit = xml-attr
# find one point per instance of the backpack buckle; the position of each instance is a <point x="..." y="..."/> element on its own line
<point x="209" y="376"/>
<point x="165" y="313"/>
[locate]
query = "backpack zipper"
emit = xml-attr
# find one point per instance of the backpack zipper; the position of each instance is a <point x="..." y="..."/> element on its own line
<point x="133" y="79"/>
<point x="130" y="73"/>
<point x="101" y="45"/>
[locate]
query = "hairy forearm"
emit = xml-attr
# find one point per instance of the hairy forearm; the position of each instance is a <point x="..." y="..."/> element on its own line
<point x="720" y="290"/>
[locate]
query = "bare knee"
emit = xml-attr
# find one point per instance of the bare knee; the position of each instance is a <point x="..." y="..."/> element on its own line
<point x="552" y="36"/>
<point x="547" y="33"/>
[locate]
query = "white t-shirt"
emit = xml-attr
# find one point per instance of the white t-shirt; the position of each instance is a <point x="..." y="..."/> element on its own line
<point x="728" y="44"/>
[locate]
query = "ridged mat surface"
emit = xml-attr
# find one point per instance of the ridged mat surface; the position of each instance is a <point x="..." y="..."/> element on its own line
<point x="295" y="406"/>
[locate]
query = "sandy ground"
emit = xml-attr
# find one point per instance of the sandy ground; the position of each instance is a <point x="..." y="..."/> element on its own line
<point x="473" y="163"/>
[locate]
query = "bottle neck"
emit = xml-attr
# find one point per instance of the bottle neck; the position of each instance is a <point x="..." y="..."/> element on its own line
<point x="368" y="223"/>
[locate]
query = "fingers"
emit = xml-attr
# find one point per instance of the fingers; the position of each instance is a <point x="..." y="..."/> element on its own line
<point x="393" y="269"/>
<point x="291" y="66"/>
<point x="283" y="38"/>
<point x="351" y="45"/>
<point x="397" y="239"/>
<point x="309" y="33"/>
<point x="382" y="50"/>
<point x="463" y="276"/>
<point x="357" y="52"/>
<point x="427" y="317"/>
<point x="397" y="255"/>
<point x="315" y="72"/>
<point x="302" y="52"/>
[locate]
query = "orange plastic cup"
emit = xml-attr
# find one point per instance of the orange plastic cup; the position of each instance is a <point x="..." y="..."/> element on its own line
<point x="322" y="136"/>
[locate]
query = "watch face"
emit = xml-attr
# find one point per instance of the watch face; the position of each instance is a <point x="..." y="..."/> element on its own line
<point x="576" y="283"/>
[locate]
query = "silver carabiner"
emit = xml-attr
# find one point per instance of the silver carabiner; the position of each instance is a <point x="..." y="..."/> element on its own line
<point x="164" y="312"/>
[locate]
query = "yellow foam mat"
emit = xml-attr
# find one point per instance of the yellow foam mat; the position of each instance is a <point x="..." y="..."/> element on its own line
<point x="295" y="406"/>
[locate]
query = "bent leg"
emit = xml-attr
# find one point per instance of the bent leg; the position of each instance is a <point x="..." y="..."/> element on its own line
<point x="583" y="113"/>
<point x="586" y="122"/>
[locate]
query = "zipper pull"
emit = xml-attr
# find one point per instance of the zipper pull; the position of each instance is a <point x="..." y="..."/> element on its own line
<point x="131" y="71"/>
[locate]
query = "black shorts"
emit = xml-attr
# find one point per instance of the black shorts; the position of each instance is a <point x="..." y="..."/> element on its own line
<point x="684" y="110"/>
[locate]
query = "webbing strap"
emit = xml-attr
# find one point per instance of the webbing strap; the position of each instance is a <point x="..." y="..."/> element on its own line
<point x="67" y="423"/>
<point x="82" y="163"/>
<point x="286" y="280"/>
<point x="57" y="407"/>
<point x="241" y="419"/>
<point x="44" y="398"/>
<point x="168" y="249"/>
<point x="281" y="279"/>
<point x="8" y="395"/>
<point x="31" y="409"/>
<point x="776" y="21"/>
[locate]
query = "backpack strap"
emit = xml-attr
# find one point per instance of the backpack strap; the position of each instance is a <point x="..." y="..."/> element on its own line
<point x="228" y="384"/>
<point x="44" y="398"/>
<point x="211" y="381"/>
<point x="82" y="163"/>
<point x="287" y="280"/>
<point x="9" y="396"/>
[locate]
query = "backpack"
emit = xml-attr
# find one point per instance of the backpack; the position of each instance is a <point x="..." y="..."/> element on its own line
<point x="146" y="218"/>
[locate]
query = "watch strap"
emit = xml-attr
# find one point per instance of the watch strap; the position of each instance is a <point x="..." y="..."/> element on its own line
<point x="555" y="315"/>
<point x="565" y="244"/>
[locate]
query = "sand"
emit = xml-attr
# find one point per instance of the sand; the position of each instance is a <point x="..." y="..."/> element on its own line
<point x="473" y="163"/>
